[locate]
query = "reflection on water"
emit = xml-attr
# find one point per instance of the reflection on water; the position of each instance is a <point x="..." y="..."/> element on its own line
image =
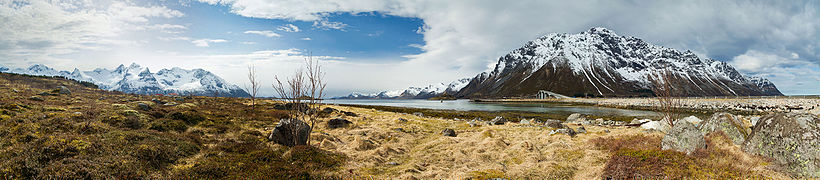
<point x="466" y="105"/>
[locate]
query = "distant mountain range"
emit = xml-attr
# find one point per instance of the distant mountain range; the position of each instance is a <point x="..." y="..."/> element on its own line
<point x="599" y="62"/>
<point x="139" y="80"/>
<point x="425" y="92"/>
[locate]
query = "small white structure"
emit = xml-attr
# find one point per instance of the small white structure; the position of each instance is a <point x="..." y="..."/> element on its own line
<point x="542" y="94"/>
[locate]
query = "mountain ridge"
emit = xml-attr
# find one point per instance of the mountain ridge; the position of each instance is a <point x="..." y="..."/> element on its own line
<point x="411" y="92"/>
<point x="599" y="62"/>
<point x="139" y="80"/>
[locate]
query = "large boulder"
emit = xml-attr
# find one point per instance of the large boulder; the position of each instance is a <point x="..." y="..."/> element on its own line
<point x="290" y="132"/>
<point x="576" y="118"/>
<point x="791" y="139"/>
<point x="554" y="124"/>
<point x="338" y="123"/>
<point x="683" y="137"/>
<point x="731" y="125"/>
<point x="693" y="120"/>
<point x="656" y="125"/>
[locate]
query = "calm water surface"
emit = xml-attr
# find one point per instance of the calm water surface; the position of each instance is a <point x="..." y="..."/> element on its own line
<point x="466" y="105"/>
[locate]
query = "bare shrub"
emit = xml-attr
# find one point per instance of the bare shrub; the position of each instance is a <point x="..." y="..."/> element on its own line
<point x="306" y="86"/>
<point x="253" y="88"/>
<point x="667" y="95"/>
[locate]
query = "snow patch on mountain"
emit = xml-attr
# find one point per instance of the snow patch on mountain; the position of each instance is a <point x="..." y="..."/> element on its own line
<point x="137" y="79"/>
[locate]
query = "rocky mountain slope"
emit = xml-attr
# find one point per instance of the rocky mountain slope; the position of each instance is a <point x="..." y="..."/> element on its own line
<point x="599" y="62"/>
<point x="140" y="80"/>
<point x="425" y="92"/>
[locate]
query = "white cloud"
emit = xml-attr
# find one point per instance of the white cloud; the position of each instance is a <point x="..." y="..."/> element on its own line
<point x="263" y="33"/>
<point x="165" y="28"/>
<point x="306" y="39"/>
<point x="288" y="28"/>
<point x="326" y="25"/>
<point x="205" y="42"/>
<point x="39" y="30"/>
<point x="249" y="42"/>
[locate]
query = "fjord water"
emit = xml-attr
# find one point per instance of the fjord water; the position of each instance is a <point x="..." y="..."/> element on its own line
<point x="466" y="105"/>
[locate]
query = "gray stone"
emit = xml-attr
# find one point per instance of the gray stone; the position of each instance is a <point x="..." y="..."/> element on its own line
<point x="567" y="131"/>
<point x="473" y="123"/>
<point x="338" y="123"/>
<point x="498" y="120"/>
<point x="448" y="132"/>
<point x="158" y="101"/>
<point x="729" y="124"/>
<point x="754" y="120"/>
<point x="693" y="120"/>
<point x="171" y="104"/>
<point x="792" y="140"/>
<point x="398" y="129"/>
<point x="419" y="114"/>
<point x="582" y="130"/>
<point x="554" y="124"/>
<point x="290" y="132"/>
<point x="393" y="163"/>
<point x="402" y="120"/>
<point x="64" y="90"/>
<point x="683" y="137"/>
<point x="575" y="118"/>
<point x="524" y="121"/>
<point x="635" y="122"/>
<point x="15" y="91"/>
<point x="35" y="98"/>
<point x="144" y="107"/>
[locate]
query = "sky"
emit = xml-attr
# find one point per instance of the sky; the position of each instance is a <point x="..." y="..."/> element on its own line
<point x="374" y="45"/>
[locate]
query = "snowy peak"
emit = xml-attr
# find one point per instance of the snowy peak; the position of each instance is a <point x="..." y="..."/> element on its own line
<point x="137" y="79"/>
<point x="600" y="62"/>
<point x="425" y="92"/>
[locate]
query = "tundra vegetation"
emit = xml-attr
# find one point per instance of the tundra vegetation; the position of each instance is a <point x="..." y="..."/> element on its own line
<point x="96" y="134"/>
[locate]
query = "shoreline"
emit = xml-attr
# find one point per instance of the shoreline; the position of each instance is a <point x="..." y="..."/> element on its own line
<point x="512" y="115"/>
<point x="737" y="105"/>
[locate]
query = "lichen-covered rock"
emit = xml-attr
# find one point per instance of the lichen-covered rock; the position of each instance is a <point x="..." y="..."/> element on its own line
<point x="693" y="120"/>
<point x="791" y="139"/>
<point x="290" y="132"/>
<point x="576" y="118"/>
<point x="731" y="125"/>
<point x="683" y="137"/>
<point x="656" y="125"/>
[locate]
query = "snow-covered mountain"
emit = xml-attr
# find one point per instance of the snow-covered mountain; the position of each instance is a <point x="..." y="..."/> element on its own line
<point x="137" y="79"/>
<point x="599" y="62"/>
<point x="425" y="92"/>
